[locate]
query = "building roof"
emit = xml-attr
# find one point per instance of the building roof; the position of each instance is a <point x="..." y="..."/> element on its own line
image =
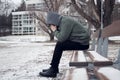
<point x="20" y="12"/>
<point x="34" y="1"/>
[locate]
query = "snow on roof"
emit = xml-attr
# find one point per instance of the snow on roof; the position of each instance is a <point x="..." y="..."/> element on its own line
<point x="33" y="1"/>
<point x="20" y="12"/>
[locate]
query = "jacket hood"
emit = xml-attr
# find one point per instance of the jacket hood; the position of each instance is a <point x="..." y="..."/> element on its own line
<point x="53" y="18"/>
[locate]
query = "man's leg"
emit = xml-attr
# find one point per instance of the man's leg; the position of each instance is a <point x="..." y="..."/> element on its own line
<point x="59" y="48"/>
<point x="57" y="54"/>
<point x="53" y="70"/>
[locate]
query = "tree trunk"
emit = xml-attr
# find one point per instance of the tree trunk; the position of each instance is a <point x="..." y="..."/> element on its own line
<point x="108" y="8"/>
<point x="84" y="15"/>
<point x="51" y="36"/>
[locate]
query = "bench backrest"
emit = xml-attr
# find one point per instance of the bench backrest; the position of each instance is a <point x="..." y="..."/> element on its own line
<point x="111" y="30"/>
<point x="102" y="42"/>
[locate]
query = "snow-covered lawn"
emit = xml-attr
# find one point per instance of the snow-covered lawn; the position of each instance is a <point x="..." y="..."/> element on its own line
<point x="23" y="57"/>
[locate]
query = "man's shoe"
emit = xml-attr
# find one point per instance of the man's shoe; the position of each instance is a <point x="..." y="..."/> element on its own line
<point x="44" y="70"/>
<point x="49" y="73"/>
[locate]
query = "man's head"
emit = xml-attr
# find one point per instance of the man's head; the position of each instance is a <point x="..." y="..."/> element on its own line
<point x="53" y="18"/>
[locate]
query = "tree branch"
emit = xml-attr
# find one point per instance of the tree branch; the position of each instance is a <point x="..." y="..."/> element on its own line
<point x="46" y="2"/>
<point x="52" y="5"/>
<point x="41" y="21"/>
<point x="80" y="11"/>
<point x="99" y="7"/>
<point x="43" y="27"/>
<point x="108" y="8"/>
<point x="95" y="10"/>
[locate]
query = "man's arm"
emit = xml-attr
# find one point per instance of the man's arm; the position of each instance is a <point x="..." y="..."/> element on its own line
<point x="64" y="32"/>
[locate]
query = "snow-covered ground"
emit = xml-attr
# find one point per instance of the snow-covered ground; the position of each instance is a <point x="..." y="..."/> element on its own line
<point x="23" y="57"/>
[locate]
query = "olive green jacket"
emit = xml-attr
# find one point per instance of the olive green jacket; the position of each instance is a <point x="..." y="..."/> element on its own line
<point x="72" y="30"/>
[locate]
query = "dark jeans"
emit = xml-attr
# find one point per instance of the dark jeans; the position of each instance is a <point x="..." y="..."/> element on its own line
<point x="62" y="46"/>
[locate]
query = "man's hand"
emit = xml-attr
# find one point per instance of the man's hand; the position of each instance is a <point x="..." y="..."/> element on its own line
<point x="53" y="28"/>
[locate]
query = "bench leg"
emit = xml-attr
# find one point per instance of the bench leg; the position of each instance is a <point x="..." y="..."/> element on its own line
<point x="117" y="62"/>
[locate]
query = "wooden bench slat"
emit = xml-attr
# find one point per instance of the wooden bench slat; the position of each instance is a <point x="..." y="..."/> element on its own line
<point x="107" y="73"/>
<point x="78" y="59"/>
<point x="99" y="60"/>
<point x="76" y="74"/>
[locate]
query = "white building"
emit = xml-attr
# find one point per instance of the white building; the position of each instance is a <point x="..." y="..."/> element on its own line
<point x="23" y="23"/>
<point x="36" y="5"/>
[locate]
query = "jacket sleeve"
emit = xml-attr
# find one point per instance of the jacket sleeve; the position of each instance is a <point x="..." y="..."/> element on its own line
<point x="64" y="32"/>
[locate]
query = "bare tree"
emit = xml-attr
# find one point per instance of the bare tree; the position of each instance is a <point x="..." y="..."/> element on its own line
<point x="50" y="5"/>
<point x="5" y="6"/>
<point x="95" y="19"/>
<point x="42" y="24"/>
<point x="22" y="6"/>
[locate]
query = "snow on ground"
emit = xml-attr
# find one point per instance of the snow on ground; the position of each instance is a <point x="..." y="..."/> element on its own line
<point x="23" y="57"/>
<point x="23" y="38"/>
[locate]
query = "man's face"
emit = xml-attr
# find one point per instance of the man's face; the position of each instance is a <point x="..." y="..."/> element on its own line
<point x="53" y="27"/>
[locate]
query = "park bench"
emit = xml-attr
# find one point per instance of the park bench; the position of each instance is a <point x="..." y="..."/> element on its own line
<point x="83" y="58"/>
<point x="95" y="61"/>
<point x="78" y="59"/>
<point x="87" y="60"/>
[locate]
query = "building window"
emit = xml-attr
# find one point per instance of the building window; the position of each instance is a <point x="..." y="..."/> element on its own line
<point x="31" y="22"/>
<point x="19" y="16"/>
<point x="25" y="30"/>
<point x="20" y="23"/>
<point x="15" y="23"/>
<point x="15" y="17"/>
<point x="25" y="16"/>
<point x="20" y="28"/>
<point x="25" y="22"/>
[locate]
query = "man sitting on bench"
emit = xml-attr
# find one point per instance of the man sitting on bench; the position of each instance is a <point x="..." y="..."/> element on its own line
<point x="71" y="35"/>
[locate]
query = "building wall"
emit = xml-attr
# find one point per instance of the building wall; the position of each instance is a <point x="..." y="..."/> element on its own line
<point x="36" y="5"/>
<point x="23" y="23"/>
